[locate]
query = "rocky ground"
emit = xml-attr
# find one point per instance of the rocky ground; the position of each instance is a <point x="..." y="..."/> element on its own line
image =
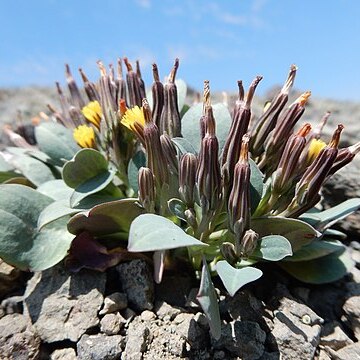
<point x="116" y="315"/>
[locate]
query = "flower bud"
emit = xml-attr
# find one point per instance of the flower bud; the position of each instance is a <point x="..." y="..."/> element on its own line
<point x="281" y="133"/>
<point x="120" y="83"/>
<point x="140" y="81"/>
<point x="286" y="172"/>
<point x="156" y="160"/>
<point x="344" y="157"/>
<point x="170" y="117"/>
<point x="306" y="192"/>
<point x="267" y="121"/>
<point x="239" y="199"/>
<point x="146" y="189"/>
<point x="228" y="252"/>
<point x="208" y="173"/>
<point x="169" y="152"/>
<point x="187" y="178"/>
<point x="157" y="90"/>
<point x="239" y="127"/>
<point x="89" y="87"/>
<point x="76" y="98"/>
<point x="133" y="84"/>
<point x="247" y="244"/>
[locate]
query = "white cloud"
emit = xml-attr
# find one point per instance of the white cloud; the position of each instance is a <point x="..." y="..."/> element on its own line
<point x="145" y="4"/>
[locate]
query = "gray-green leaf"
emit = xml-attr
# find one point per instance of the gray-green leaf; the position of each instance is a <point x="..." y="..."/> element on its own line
<point x="273" y="248"/>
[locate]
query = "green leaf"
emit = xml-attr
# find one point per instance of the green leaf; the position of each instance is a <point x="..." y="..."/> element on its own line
<point x="316" y="249"/>
<point x="325" y="219"/>
<point x="334" y="234"/>
<point x="91" y="186"/>
<point x="208" y="302"/>
<point x="4" y="165"/>
<point x="21" y="245"/>
<point x="234" y="279"/>
<point x="177" y="208"/>
<point x="256" y="185"/>
<point x="298" y="232"/>
<point x="183" y="145"/>
<point x="107" y="218"/>
<point x="272" y="248"/>
<point x="87" y="164"/>
<point x="56" y="141"/>
<point x="150" y="232"/>
<point x="190" y="124"/>
<point x="7" y="175"/>
<point x="322" y="270"/>
<point x="138" y="161"/>
<point x="34" y="170"/>
<point x="56" y="189"/>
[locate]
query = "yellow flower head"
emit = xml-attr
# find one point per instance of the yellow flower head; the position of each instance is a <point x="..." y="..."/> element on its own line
<point x="132" y="116"/>
<point x="92" y="113"/>
<point x="85" y="136"/>
<point x="315" y="147"/>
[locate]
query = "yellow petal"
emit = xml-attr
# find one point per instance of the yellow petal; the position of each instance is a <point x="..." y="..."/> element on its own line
<point x="315" y="147"/>
<point x="85" y="136"/>
<point x="133" y="115"/>
<point x="92" y="113"/>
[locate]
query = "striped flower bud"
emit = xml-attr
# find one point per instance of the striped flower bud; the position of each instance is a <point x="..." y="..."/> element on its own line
<point x="120" y="83"/>
<point x="89" y="87"/>
<point x="208" y="173"/>
<point x="247" y="244"/>
<point x="76" y="98"/>
<point x="133" y="84"/>
<point x="206" y="100"/>
<point x="239" y="199"/>
<point x="239" y="127"/>
<point x="170" y="117"/>
<point x="187" y="178"/>
<point x="307" y="190"/>
<point x="157" y="90"/>
<point x="286" y="171"/>
<point x="156" y="160"/>
<point x="281" y="133"/>
<point x="140" y="81"/>
<point x="146" y="189"/>
<point x="228" y="252"/>
<point x="169" y="152"/>
<point x="344" y="157"/>
<point x="267" y="121"/>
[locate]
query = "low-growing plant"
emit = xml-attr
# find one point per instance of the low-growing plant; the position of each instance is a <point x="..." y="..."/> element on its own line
<point x="163" y="181"/>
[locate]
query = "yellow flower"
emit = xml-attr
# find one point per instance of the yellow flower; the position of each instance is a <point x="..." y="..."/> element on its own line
<point x="92" y="113"/>
<point x="315" y="147"/>
<point x="85" y="136"/>
<point x="132" y="116"/>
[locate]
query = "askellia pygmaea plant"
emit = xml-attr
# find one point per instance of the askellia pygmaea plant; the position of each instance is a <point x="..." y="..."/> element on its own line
<point x="230" y="220"/>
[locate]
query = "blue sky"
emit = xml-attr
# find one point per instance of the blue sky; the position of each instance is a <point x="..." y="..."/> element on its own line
<point x="221" y="41"/>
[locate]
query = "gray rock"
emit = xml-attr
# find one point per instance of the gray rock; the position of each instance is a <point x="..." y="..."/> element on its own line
<point x="296" y="330"/>
<point x="352" y="312"/>
<point x="137" y="282"/>
<point x="111" y="324"/>
<point x="244" y="339"/>
<point x="147" y="315"/>
<point x="62" y="305"/>
<point x="350" y="352"/>
<point x="164" y="311"/>
<point x="115" y="302"/>
<point x="138" y="337"/>
<point x="18" y="339"/>
<point x="10" y="278"/>
<point x="100" y="347"/>
<point x="63" y="354"/>
<point x="333" y="336"/>
<point x="188" y="328"/>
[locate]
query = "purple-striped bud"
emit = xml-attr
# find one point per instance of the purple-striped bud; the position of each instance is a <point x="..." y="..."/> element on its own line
<point x="208" y="173"/>
<point x="76" y="98"/>
<point x="120" y="83"/>
<point x="287" y="169"/>
<point x="140" y="80"/>
<point x="157" y="90"/>
<point x="239" y="127"/>
<point x="132" y="80"/>
<point x="239" y="199"/>
<point x="187" y="178"/>
<point x="281" y="133"/>
<point x="146" y="189"/>
<point x="247" y="244"/>
<point x="90" y="88"/>
<point x="344" y="157"/>
<point x="267" y="121"/>
<point x="307" y="190"/>
<point x="170" y="153"/>
<point x="170" y="117"/>
<point x="156" y="160"/>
